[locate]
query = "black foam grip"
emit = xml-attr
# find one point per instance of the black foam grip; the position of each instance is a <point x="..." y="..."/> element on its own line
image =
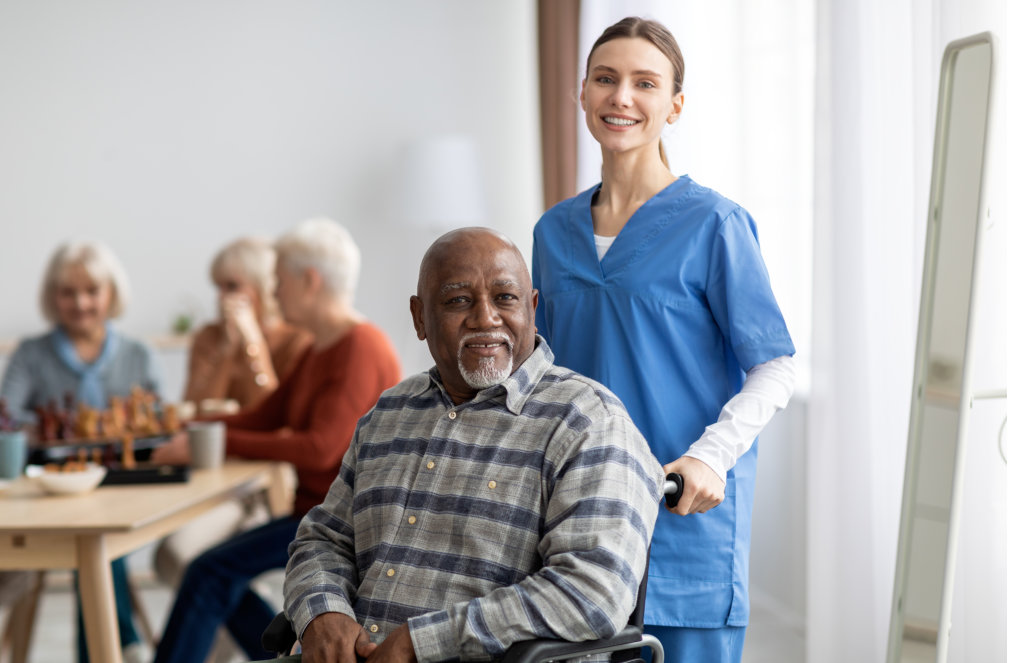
<point x="673" y="489"/>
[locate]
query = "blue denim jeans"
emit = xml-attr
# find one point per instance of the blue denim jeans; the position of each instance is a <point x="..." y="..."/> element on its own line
<point x="215" y="590"/>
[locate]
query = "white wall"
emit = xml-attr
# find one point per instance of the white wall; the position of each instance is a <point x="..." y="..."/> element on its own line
<point x="167" y="129"/>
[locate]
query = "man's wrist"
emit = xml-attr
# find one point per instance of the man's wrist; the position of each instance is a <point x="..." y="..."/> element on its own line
<point x="432" y="637"/>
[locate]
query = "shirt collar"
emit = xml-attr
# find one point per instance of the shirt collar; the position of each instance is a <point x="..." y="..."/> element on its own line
<point x="518" y="387"/>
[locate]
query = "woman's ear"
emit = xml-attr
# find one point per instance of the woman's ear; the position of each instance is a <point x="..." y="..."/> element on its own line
<point x="312" y="280"/>
<point x="678" y="106"/>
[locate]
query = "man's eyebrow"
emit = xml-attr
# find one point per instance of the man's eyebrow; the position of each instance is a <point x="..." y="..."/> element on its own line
<point x="453" y="286"/>
<point x="506" y="283"/>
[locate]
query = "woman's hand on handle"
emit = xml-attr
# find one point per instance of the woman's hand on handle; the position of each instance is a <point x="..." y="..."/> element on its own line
<point x="703" y="489"/>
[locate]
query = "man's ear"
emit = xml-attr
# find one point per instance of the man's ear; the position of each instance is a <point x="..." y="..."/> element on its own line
<point x="536" y="301"/>
<point x="417" y="313"/>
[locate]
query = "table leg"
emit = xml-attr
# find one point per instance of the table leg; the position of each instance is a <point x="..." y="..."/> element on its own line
<point x="98" y="600"/>
<point x="281" y="491"/>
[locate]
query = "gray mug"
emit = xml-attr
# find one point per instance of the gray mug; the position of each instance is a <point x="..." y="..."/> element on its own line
<point x="13" y="453"/>
<point x="206" y="444"/>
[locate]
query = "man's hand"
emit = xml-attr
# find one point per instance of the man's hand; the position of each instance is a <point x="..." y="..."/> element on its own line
<point x="397" y="648"/>
<point x="703" y="489"/>
<point x="333" y="637"/>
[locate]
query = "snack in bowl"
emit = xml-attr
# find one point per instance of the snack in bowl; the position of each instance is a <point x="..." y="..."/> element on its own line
<point x="71" y="478"/>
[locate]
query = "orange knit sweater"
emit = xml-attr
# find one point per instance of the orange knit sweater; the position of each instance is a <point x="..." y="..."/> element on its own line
<point x="309" y="420"/>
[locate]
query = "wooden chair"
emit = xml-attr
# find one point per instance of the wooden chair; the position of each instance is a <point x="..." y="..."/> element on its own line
<point x="20" y="624"/>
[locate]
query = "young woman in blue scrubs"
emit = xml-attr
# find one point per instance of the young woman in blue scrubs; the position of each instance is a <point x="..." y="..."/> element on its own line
<point x="655" y="286"/>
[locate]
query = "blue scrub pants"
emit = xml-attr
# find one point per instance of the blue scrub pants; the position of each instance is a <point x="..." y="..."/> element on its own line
<point x="124" y="611"/>
<point x="711" y="645"/>
<point x="215" y="590"/>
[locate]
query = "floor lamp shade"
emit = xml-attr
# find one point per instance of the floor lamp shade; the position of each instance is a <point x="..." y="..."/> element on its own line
<point x="441" y="186"/>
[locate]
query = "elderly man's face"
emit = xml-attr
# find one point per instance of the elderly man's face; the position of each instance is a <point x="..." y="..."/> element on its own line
<point x="475" y="308"/>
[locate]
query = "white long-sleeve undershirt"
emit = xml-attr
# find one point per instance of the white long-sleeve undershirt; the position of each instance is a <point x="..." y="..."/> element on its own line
<point x="766" y="390"/>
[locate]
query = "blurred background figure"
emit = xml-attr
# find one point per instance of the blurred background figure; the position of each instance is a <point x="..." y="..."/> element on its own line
<point x="85" y="357"/>
<point x="234" y="363"/>
<point x="243" y="356"/>
<point x="307" y="421"/>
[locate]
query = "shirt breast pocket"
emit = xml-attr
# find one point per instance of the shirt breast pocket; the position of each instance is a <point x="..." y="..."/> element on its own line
<point x="504" y="510"/>
<point x="501" y="488"/>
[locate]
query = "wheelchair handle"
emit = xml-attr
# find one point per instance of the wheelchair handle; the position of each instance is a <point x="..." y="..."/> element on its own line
<point x="673" y="488"/>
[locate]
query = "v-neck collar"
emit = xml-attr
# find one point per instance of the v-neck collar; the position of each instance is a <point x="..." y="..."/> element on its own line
<point x="636" y="234"/>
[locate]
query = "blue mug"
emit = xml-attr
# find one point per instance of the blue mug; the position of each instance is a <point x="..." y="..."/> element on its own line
<point x="13" y="453"/>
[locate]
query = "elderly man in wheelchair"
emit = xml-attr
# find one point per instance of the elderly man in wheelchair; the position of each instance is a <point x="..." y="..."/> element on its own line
<point x="493" y="500"/>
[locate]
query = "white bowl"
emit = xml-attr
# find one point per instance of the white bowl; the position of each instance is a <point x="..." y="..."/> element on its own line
<point x="68" y="483"/>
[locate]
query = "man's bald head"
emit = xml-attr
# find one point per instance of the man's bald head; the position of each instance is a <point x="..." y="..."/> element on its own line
<point x="470" y="240"/>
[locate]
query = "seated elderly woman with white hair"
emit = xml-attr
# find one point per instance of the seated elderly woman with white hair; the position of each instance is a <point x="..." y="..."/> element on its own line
<point x="86" y="357"/>
<point x="308" y="421"/>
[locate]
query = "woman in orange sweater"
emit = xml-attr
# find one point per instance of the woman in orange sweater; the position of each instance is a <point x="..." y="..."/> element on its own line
<point x="308" y="421"/>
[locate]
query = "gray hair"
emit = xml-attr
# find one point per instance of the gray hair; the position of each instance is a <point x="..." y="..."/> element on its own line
<point x="326" y="246"/>
<point x="98" y="261"/>
<point x="251" y="259"/>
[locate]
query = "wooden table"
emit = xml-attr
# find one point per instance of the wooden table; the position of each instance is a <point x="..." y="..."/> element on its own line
<point x="86" y="532"/>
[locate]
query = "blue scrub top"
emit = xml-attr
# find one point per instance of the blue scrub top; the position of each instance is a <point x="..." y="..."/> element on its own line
<point x="669" y="320"/>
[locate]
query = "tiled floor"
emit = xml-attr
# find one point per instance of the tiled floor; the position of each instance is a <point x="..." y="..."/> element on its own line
<point x="769" y="640"/>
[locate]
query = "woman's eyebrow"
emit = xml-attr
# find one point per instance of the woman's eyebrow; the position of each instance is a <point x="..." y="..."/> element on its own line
<point x="637" y="72"/>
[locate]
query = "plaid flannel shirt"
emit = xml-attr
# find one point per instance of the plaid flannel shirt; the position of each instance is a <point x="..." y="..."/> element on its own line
<point x="525" y="512"/>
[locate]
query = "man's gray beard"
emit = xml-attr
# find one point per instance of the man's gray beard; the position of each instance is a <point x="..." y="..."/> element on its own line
<point x="486" y="374"/>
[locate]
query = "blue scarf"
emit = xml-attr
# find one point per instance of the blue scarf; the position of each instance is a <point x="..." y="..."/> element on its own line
<point x="89" y="389"/>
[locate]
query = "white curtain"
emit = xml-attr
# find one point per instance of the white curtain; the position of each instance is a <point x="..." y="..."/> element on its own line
<point x="877" y="76"/>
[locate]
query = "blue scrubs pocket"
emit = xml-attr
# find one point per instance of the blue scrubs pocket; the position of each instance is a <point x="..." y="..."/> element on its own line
<point x="692" y="569"/>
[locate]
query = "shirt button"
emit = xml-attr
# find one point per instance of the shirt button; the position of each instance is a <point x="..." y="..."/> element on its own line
<point x="430" y="465"/>
<point x="492" y="484"/>
<point x="412" y="520"/>
<point x="391" y="572"/>
<point x="374" y="628"/>
<point x="452" y="414"/>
